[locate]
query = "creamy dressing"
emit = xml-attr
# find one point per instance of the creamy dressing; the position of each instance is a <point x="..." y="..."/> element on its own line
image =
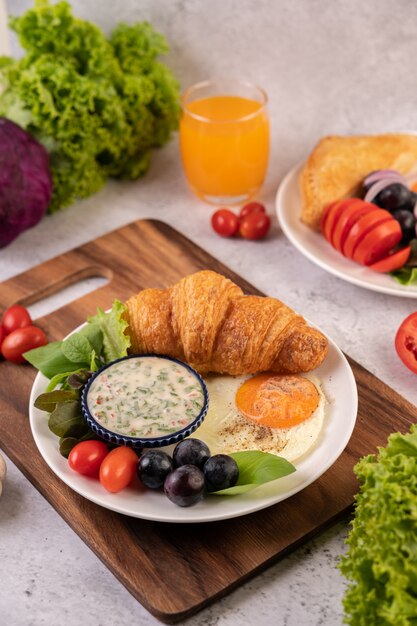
<point x="145" y="397"/>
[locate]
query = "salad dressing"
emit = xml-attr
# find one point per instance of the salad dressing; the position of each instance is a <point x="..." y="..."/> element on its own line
<point x="145" y="397"/>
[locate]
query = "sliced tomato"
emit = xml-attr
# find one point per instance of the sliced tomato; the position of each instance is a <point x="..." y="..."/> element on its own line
<point x="350" y="215"/>
<point x="392" y="261"/>
<point x="325" y="225"/>
<point x="362" y="227"/>
<point x="377" y="243"/>
<point x="406" y="342"/>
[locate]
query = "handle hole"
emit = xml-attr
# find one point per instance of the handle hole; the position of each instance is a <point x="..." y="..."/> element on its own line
<point x="65" y="295"/>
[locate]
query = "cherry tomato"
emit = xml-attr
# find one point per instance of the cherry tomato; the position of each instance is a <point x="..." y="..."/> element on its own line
<point x="378" y="243"/>
<point x="255" y="226"/>
<point x="362" y="227"/>
<point x="251" y="207"/>
<point x="87" y="456"/>
<point x="350" y="215"/>
<point x="15" y="317"/>
<point x="2" y="335"/>
<point x="225" y="223"/>
<point x="20" y="341"/>
<point x="118" y="469"/>
<point x="406" y="342"/>
<point x="392" y="261"/>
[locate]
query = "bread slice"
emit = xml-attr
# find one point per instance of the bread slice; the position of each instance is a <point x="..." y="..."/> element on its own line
<point x="338" y="165"/>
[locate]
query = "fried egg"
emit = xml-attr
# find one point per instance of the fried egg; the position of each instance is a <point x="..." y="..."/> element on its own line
<point x="283" y="415"/>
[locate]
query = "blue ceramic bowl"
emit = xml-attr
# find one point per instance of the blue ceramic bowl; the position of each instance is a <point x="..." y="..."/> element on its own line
<point x="143" y="442"/>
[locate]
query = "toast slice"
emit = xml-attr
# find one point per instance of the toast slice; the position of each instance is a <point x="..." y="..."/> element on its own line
<point x="338" y="165"/>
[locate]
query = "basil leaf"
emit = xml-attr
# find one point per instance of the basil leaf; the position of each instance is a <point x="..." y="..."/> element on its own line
<point x="51" y="361"/>
<point x="77" y="348"/>
<point x="48" y="401"/>
<point x="256" y="468"/>
<point x="64" y="417"/>
<point x="93" y="333"/>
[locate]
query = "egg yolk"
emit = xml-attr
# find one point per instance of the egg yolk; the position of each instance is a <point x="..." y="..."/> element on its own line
<point x="277" y="401"/>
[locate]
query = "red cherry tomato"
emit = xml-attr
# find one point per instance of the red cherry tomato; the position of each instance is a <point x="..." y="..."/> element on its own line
<point x="87" y="456"/>
<point x="255" y="226"/>
<point x="20" y="341"/>
<point x="251" y="207"/>
<point x="392" y="261"/>
<point x="2" y="335"/>
<point x="378" y="242"/>
<point x="15" y="317"/>
<point x="350" y="215"/>
<point x="225" y="223"/>
<point x="118" y="469"/>
<point x="362" y="227"/>
<point x="406" y="342"/>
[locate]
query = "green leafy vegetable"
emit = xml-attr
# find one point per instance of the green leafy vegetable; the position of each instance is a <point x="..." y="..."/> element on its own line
<point x="381" y="562"/>
<point x="112" y="326"/>
<point x="98" y="105"/>
<point x="77" y="349"/>
<point x="50" y="359"/>
<point x="101" y="340"/>
<point x="64" y="417"/>
<point x="49" y="401"/>
<point x="406" y="275"/>
<point x="256" y="468"/>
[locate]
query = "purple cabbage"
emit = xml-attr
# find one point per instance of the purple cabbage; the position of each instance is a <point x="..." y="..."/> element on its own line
<point x="25" y="181"/>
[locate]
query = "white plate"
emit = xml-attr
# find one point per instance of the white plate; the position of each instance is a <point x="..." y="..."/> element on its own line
<point x="313" y="245"/>
<point x="339" y="387"/>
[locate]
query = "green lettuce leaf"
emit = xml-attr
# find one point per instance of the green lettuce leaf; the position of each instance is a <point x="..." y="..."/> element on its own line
<point x="406" y="275"/>
<point x="112" y="325"/>
<point x="99" y="104"/>
<point x="256" y="468"/>
<point x="381" y="562"/>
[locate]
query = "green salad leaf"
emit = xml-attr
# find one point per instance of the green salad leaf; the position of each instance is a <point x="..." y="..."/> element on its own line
<point x="381" y="562"/>
<point x="98" y="104"/>
<point x="406" y="275"/>
<point x="112" y="326"/>
<point x="65" y="418"/>
<point x="256" y="468"/>
<point x="101" y="340"/>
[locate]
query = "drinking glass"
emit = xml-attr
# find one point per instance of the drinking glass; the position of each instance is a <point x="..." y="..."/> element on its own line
<point x="224" y="139"/>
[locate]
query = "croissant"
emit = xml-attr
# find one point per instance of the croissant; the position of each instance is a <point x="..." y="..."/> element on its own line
<point x="207" y="321"/>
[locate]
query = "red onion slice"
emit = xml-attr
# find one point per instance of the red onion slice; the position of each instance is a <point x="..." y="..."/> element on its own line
<point x="382" y="175"/>
<point x="374" y="190"/>
<point x="410" y="178"/>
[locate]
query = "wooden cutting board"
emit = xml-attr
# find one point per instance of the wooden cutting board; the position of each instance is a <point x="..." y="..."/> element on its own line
<point x="174" y="569"/>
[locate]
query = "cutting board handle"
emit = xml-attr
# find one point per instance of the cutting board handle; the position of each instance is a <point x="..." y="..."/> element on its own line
<point x="48" y="278"/>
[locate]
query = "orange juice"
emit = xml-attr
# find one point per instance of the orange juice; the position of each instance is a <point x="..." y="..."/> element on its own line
<point x="225" y="146"/>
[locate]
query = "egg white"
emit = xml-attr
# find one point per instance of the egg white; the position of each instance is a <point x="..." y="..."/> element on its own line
<point x="225" y="429"/>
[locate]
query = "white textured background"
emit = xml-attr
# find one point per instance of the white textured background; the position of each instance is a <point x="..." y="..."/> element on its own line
<point x="328" y="66"/>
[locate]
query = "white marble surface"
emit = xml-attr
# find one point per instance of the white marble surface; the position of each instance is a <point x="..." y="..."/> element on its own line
<point x="328" y="66"/>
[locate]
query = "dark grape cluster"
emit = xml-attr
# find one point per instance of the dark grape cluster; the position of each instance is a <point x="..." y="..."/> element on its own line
<point x="388" y="190"/>
<point x="189" y="474"/>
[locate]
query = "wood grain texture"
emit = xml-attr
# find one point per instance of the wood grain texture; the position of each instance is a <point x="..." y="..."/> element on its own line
<point x="174" y="569"/>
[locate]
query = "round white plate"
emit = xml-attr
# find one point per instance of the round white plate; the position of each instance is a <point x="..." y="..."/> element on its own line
<point x="313" y="245"/>
<point x="339" y="387"/>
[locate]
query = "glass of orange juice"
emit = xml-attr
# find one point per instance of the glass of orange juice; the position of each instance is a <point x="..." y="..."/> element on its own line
<point x="224" y="139"/>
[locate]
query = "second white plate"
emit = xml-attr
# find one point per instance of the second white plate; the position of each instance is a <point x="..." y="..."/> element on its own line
<point x="313" y="245"/>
